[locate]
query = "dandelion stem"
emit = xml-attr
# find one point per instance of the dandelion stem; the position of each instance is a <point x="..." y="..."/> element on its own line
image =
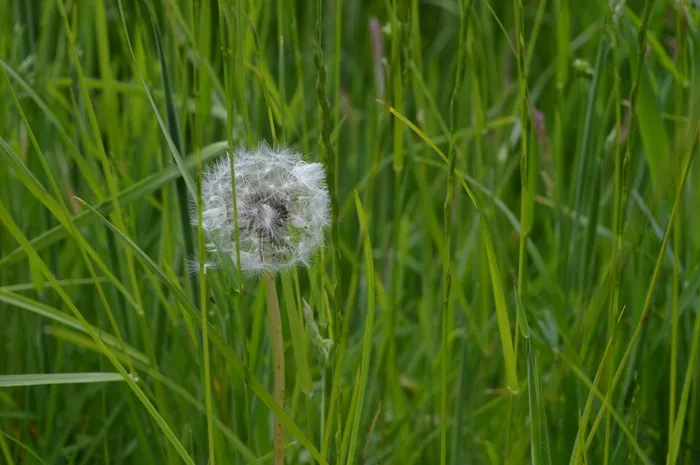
<point x="273" y="309"/>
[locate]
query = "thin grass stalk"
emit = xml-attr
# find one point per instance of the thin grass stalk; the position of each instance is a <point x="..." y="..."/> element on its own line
<point x="230" y="81"/>
<point x="203" y="284"/>
<point x="391" y="386"/>
<point x="275" y="319"/>
<point x="525" y="209"/>
<point x="176" y="134"/>
<point x="465" y="7"/>
<point x="526" y="196"/>
<point x="673" y="356"/>
<point x="562" y="21"/>
<point x="329" y="158"/>
<point x="673" y="362"/>
<point x="363" y="371"/>
<point x="299" y="68"/>
<point x="617" y="196"/>
<point x="621" y="208"/>
<point x="583" y="162"/>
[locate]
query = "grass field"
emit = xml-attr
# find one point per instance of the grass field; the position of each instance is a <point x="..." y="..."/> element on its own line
<point x="512" y="270"/>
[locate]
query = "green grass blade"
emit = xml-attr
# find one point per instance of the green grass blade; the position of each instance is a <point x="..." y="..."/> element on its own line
<point x="299" y="337"/>
<point x="539" y="437"/>
<point x="368" y="330"/>
<point x="41" y="379"/>
<point x="499" y="298"/>
<point x="652" y="131"/>
<point x="6" y="452"/>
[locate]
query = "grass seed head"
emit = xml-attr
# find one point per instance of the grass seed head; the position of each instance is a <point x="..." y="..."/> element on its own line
<point x="282" y="206"/>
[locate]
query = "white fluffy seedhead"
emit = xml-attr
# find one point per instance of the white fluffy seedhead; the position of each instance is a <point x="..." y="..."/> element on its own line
<point x="282" y="205"/>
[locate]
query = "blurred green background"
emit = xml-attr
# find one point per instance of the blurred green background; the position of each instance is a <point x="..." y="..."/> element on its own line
<point x="512" y="271"/>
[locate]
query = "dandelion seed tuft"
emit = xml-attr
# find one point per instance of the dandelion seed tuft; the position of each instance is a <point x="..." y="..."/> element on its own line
<point x="282" y="205"/>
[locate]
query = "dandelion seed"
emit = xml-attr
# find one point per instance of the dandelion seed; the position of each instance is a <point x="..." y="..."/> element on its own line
<point x="282" y="206"/>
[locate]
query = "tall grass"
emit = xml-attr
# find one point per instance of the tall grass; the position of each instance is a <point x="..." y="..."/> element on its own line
<point x="512" y="273"/>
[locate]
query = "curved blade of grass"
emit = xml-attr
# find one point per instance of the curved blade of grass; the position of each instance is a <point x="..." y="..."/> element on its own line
<point x="539" y="438"/>
<point x="414" y="128"/>
<point x="535" y="254"/>
<point x="498" y="297"/>
<point x="42" y="379"/>
<point x="54" y="314"/>
<point x="368" y="330"/>
<point x="609" y="408"/>
<point x="6" y="452"/>
<point x="217" y="339"/>
<point x="580" y="441"/>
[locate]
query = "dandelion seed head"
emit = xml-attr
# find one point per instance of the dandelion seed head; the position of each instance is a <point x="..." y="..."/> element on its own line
<point x="282" y="206"/>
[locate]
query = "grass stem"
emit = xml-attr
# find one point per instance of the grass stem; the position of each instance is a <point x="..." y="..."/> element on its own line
<point x="273" y="310"/>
